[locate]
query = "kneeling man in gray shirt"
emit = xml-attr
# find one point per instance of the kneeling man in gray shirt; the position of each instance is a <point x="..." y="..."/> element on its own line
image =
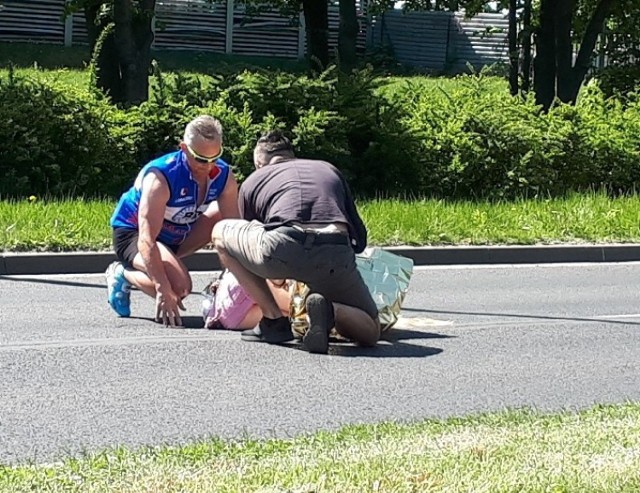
<point x="300" y="222"/>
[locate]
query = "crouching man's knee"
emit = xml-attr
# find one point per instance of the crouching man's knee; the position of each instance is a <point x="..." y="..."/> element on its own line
<point x="221" y="231"/>
<point x="217" y="233"/>
<point x="183" y="287"/>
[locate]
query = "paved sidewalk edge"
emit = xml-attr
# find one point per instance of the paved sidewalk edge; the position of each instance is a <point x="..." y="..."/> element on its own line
<point x="206" y="260"/>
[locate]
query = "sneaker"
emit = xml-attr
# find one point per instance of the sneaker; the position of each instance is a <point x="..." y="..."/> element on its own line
<point x="271" y="331"/>
<point x="321" y="321"/>
<point x="118" y="289"/>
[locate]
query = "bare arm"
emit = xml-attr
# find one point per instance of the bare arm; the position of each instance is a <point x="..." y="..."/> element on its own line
<point x="228" y="200"/>
<point x="226" y="207"/>
<point x="155" y="195"/>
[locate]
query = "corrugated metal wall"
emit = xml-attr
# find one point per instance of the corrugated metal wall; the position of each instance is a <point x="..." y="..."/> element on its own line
<point x="442" y="41"/>
<point x="37" y="20"/>
<point x="434" y="40"/>
<point x="180" y="24"/>
<point x="191" y="25"/>
<point x="480" y="40"/>
<point x="266" y="34"/>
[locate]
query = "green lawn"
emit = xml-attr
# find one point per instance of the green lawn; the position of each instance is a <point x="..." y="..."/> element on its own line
<point x="49" y="56"/>
<point x="513" y="451"/>
<point x="594" y="218"/>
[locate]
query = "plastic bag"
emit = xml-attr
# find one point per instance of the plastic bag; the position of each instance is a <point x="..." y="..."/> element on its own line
<point x="387" y="276"/>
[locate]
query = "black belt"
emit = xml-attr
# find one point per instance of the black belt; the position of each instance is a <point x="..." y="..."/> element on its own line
<point x="310" y="237"/>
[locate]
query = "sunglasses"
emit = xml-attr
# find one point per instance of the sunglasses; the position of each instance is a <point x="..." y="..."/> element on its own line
<point x="204" y="159"/>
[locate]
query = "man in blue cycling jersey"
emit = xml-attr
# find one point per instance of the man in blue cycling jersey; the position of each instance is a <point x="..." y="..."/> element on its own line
<point x="169" y="213"/>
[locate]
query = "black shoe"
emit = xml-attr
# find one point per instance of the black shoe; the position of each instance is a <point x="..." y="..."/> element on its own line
<point x="321" y="321"/>
<point x="271" y="331"/>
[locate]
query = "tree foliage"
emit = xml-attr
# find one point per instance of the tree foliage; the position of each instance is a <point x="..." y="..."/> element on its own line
<point x="555" y="28"/>
<point x="120" y="36"/>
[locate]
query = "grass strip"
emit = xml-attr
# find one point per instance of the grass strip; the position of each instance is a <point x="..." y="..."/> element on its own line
<point x="56" y="225"/>
<point x="593" y="450"/>
<point x="76" y="224"/>
<point x="579" y="218"/>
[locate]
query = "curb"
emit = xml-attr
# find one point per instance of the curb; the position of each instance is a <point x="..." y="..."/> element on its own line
<point x="207" y="260"/>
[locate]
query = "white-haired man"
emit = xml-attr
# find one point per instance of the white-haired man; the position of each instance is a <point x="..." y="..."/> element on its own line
<point x="168" y="213"/>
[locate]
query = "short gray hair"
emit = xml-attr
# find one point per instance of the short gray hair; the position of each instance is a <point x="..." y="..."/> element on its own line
<point x="204" y="126"/>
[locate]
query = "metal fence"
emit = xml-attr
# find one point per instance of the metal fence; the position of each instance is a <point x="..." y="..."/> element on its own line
<point x="442" y="41"/>
<point x="221" y="27"/>
<point x="433" y="40"/>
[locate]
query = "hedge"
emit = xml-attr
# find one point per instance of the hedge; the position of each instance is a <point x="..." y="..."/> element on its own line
<point x="470" y="141"/>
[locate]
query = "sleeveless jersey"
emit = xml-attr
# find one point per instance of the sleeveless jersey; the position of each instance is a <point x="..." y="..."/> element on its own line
<point x="181" y="211"/>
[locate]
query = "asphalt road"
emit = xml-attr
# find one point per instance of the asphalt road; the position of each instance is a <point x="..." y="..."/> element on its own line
<point x="75" y="378"/>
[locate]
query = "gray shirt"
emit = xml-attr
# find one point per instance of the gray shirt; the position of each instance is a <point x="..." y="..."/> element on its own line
<point x="302" y="191"/>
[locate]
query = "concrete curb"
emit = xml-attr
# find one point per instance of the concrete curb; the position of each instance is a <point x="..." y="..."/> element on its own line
<point x="204" y="260"/>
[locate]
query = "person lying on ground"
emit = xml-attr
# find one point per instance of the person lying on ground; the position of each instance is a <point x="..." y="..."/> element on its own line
<point x="230" y="307"/>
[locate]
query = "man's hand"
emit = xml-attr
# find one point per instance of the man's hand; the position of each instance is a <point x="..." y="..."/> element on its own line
<point x="168" y="307"/>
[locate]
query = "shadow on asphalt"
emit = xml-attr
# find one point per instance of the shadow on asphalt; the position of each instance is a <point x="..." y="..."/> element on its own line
<point x="395" y="335"/>
<point x="59" y="282"/>
<point x="188" y="322"/>
<point x="389" y="347"/>
<point x="396" y="350"/>
<point x="74" y="284"/>
<point x="520" y="315"/>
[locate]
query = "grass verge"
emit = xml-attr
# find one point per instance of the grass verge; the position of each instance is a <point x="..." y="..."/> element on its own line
<point x="593" y="450"/>
<point x="75" y="224"/>
<point x="49" y="56"/>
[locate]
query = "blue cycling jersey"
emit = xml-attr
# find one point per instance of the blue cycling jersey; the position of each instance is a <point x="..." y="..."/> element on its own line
<point x="181" y="210"/>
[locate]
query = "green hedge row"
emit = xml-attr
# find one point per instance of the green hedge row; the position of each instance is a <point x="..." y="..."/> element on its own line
<point x="469" y="140"/>
<point x="474" y="141"/>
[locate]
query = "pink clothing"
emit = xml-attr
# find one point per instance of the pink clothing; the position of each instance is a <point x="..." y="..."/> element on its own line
<point x="231" y="304"/>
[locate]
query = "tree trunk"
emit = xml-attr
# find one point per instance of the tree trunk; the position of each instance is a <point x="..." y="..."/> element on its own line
<point x="133" y="38"/>
<point x="106" y="65"/>
<point x="587" y="46"/>
<point x="91" y="10"/>
<point x="564" y="48"/>
<point x="513" y="48"/>
<point x="554" y="58"/>
<point x="544" y="64"/>
<point x="316" y="19"/>
<point x="348" y="35"/>
<point x="526" y="46"/>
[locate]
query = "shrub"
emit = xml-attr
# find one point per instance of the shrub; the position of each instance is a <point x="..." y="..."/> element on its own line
<point x="465" y="138"/>
<point x="610" y="139"/>
<point x="330" y="117"/>
<point x="619" y="80"/>
<point x="57" y="140"/>
<point x="476" y="142"/>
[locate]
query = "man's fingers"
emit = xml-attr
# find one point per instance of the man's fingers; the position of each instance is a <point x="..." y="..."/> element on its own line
<point x="181" y="306"/>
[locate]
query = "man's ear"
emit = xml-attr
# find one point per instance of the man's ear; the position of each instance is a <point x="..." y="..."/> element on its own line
<point x="183" y="146"/>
